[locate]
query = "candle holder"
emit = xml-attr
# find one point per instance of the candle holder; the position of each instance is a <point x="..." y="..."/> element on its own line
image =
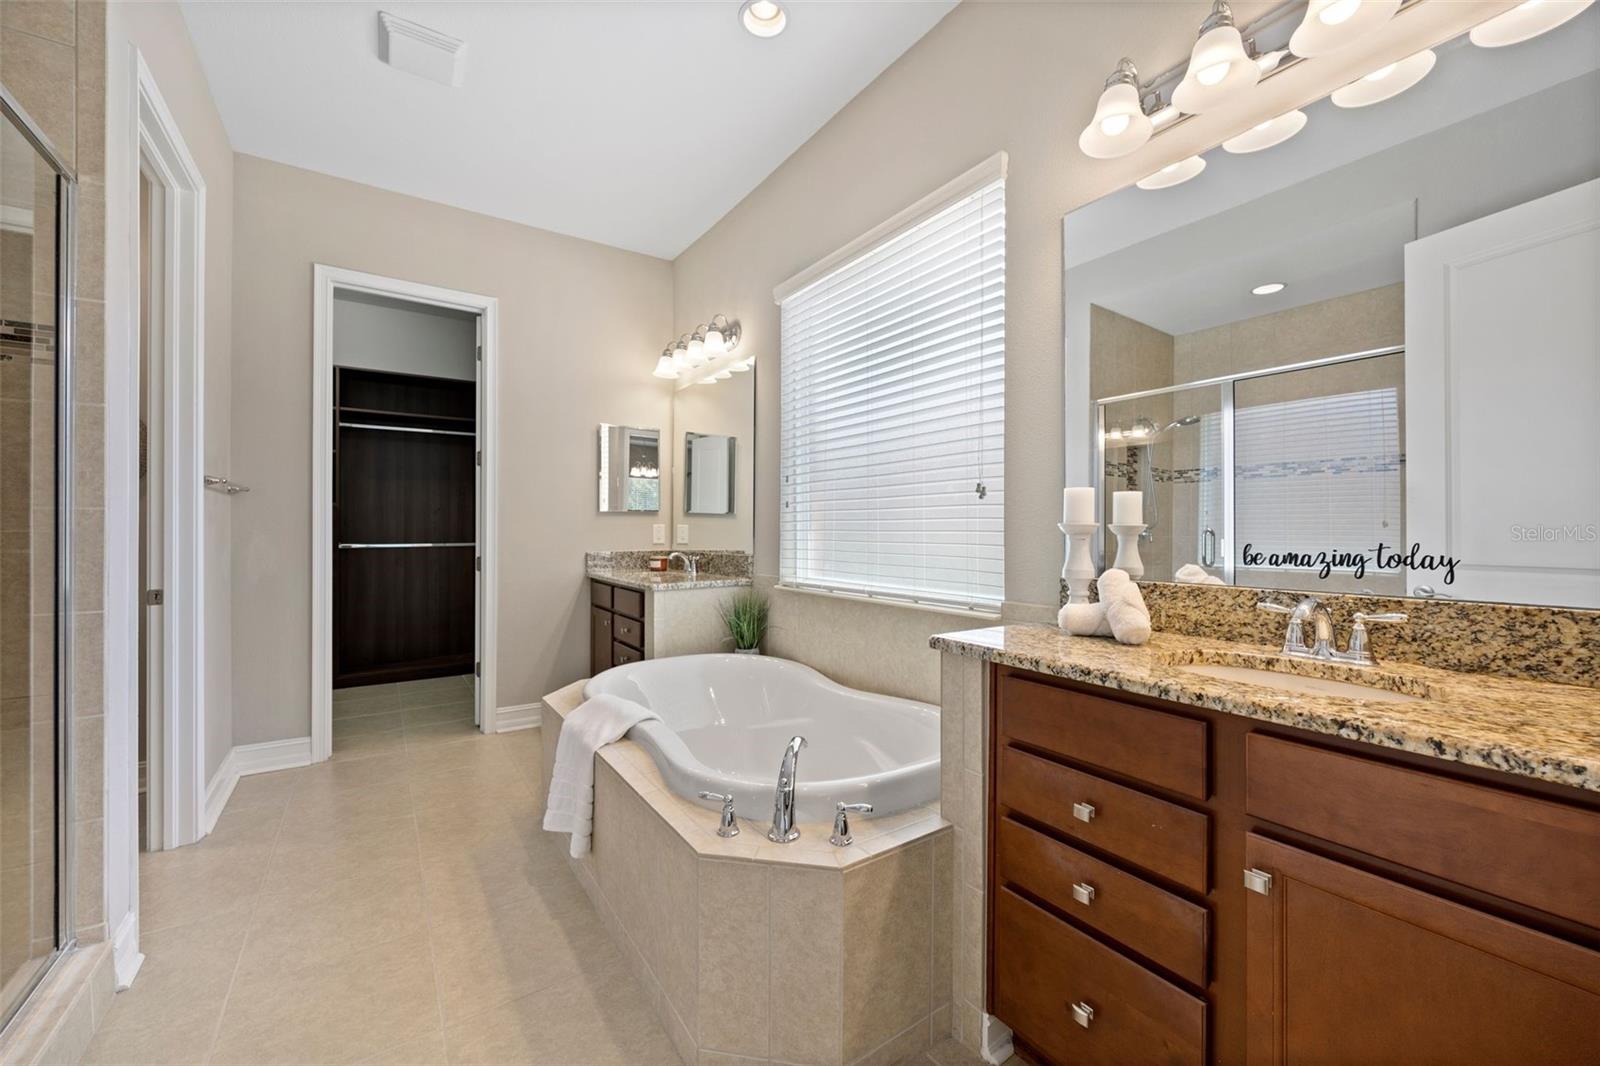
<point x="1128" y="548"/>
<point x="1078" y="571"/>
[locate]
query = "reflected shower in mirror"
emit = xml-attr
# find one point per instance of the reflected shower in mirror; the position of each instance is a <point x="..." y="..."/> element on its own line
<point x="1366" y="359"/>
<point x="708" y="473"/>
<point x="630" y="469"/>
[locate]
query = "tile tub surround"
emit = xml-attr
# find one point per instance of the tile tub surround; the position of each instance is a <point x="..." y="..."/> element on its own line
<point x="752" y="951"/>
<point x="1528" y="728"/>
<point x="720" y="563"/>
<point x="1555" y="644"/>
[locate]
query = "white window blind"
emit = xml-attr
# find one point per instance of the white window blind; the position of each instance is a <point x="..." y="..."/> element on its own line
<point x="1318" y="473"/>
<point x="893" y="414"/>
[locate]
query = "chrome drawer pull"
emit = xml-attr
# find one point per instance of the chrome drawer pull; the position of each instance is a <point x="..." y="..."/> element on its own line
<point x="1258" y="881"/>
<point x="1083" y="812"/>
<point x="1082" y="1013"/>
<point x="1083" y="893"/>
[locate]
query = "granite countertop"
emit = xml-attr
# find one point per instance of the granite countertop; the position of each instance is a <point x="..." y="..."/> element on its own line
<point x="1534" y="729"/>
<point x="665" y="580"/>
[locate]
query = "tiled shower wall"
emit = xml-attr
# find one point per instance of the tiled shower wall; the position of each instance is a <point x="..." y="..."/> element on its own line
<point x="53" y="62"/>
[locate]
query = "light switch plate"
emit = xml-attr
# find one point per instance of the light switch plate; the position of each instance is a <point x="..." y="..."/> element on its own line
<point x="658" y="533"/>
<point x="683" y="533"/>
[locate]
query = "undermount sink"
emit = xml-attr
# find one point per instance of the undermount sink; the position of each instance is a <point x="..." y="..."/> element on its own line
<point x="1286" y="682"/>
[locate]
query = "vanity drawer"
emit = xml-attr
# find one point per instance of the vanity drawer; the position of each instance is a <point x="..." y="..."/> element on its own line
<point x="600" y="594"/>
<point x="1166" y="750"/>
<point x="1043" y="968"/>
<point x="630" y="631"/>
<point x="1533" y="851"/>
<point x="1161" y="837"/>
<point x="621" y="653"/>
<point x="1169" y="931"/>
<point x="629" y="602"/>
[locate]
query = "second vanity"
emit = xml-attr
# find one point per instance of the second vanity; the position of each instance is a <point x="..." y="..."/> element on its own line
<point x="1318" y="864"/>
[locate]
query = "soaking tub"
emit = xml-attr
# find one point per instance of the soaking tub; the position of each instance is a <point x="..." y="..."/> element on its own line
<point x="726" y="718"/>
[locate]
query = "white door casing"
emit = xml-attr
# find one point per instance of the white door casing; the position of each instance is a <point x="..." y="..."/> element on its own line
<point x="1502" y="390"/>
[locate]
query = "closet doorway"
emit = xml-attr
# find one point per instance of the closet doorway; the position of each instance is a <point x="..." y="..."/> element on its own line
<point x="402" y="566"/>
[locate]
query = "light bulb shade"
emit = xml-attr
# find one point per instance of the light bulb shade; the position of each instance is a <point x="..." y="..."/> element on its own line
<point x="1329" y="25"/>
<point x="1173" y="174"/>
<point x="1218" y="70"/>
<point x="1525" y="21"/>
<point x="1395" y="79"/>
<point x="697" y="347"/>
<point x="764" y="18"/>
<point x="1273" y="131"/>
<point x="1119" y="125"/>
<point x="716" y="343"/>
<point x="665" y="367"/>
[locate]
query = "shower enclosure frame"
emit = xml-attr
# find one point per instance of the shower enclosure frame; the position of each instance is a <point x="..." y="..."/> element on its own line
<point x="1225" y="384"/>
<point x="66" y="328"/>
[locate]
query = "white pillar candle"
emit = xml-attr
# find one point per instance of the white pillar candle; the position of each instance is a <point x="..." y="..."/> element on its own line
<point x="1077" y="506"/>
<point x="1127" y="508"/>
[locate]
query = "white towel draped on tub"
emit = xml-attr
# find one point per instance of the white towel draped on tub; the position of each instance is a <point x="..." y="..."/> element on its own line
<point x="587" y="729"/>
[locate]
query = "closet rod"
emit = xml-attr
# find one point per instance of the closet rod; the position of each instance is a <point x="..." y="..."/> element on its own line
<point x="419" y="544"/>
<point x="409" y="429"/>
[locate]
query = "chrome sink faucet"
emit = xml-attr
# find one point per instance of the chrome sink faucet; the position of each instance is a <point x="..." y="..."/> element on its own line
<point x="691" y="564"/>
<point x="783" y="830"/>
<point x="1322" y="646"/>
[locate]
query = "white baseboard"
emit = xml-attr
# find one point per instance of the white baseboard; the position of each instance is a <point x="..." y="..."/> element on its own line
<point x="520" y="716"/>
<point x="996" y="1040"/>
<point x="247" y="759"/>
<point x="125" y="955"/>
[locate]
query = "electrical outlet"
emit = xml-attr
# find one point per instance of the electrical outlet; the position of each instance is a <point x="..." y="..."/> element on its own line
<point x="683" y="533"/>
<point x="658" y="533"/>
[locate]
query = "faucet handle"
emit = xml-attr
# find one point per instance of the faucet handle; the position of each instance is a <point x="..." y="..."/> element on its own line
<point x="1358" y="651"/>
<point x="1386" y="616"/>
<point x="841" y="837"/>
<point x="1275" y="608"/>
<point x="728" y="826"/>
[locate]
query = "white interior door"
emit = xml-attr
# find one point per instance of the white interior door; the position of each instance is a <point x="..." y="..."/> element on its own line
<point x="1503" y="401"/>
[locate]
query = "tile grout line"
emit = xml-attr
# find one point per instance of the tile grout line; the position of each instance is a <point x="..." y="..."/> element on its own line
<point x="427" y="919"/>
<point x="244" y="942"/>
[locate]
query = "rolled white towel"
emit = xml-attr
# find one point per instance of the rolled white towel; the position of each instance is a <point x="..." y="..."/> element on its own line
<point x="1190" y="574"/>
<point x="1125" y="608"/>
<point x="1084" y="619"/>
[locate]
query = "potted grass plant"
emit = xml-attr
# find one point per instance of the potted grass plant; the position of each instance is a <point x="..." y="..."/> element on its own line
<point x="745" y="615"/>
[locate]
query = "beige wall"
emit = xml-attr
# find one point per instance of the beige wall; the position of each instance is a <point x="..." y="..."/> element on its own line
<point x="1017" y="77"/>
<point x="580" y="328"/>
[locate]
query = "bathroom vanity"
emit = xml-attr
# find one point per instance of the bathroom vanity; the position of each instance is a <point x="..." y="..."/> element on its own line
<point x="637" y="613"/>
<point x="1179" y="868"/>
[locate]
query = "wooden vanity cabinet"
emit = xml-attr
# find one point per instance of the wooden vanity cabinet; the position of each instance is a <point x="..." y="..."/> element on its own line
<point x="616" y="625"/>
<point x="1177" y="885"/>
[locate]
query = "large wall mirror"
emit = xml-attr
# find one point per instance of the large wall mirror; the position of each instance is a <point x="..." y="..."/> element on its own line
<point x="1384" y="331"/>
<point x="713" y="430"/>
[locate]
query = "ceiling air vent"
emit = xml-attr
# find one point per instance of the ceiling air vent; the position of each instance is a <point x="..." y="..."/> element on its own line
<point x="415" y="49"/>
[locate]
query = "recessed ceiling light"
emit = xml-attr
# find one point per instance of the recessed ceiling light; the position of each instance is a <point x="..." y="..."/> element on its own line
<point x="1268" y="289"/>
<point x="1266" y="134"/>
<point x="1385" y="82"/>
<point x="1525" y="21"/>
<point x="1173" y="174"/>
<point x="764" y="18"/>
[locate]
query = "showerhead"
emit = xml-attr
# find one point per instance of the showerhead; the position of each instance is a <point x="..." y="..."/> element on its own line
<point x="1186" y="420"/>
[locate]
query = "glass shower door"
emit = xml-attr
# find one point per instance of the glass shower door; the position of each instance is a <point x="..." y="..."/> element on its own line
<point x="34" y="216"/>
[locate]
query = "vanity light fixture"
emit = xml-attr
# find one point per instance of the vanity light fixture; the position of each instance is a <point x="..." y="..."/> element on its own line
<point x="1526" y="21"/>
<point x="1385" y="82"/>
<point x="1329" y="25"/>
<point x="1219" y="67"/>
<point x="666" y="366"/>
<point x="1266" y="134"/>
<point x="680" y="352"/>
<point x="722" y="335"/>
<point x="763" y="18"/>
<point x="1120" y="124"/>
<point x="1268" y="289"/>
<point x="1173" y="174"/>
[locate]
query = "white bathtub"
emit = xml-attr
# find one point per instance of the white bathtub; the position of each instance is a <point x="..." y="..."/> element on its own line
<point x="726" y="718"/>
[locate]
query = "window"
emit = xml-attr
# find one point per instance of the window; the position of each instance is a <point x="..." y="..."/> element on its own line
<point x="893" y="407"/>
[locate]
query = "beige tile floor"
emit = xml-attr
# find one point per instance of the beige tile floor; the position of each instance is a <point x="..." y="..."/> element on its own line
<point x="396" y="904"/>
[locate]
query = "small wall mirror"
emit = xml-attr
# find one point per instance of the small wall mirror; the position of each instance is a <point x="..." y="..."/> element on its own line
<point x="630" y="469"/>
<point x="708" y="473"/>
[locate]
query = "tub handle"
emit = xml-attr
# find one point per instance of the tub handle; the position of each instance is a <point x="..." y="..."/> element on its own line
<point x="728" y="826"/>
<point x="841" y="837"/>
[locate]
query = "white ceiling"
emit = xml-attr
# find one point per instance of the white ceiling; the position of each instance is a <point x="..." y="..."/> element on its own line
<point x="638" y="125"/>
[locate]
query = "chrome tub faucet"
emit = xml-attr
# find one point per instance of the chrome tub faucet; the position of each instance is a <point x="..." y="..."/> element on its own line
<point x="783" y="830"/>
